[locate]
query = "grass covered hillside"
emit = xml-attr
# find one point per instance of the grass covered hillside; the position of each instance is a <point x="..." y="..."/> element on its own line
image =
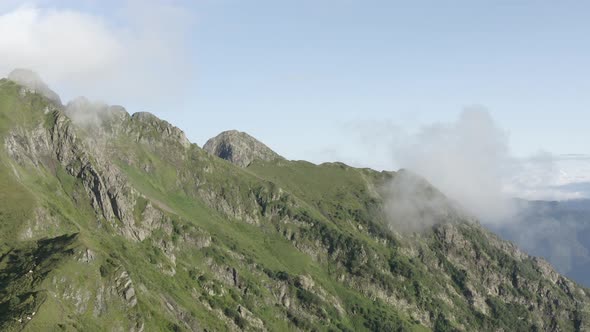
<point x="111" y="221"/>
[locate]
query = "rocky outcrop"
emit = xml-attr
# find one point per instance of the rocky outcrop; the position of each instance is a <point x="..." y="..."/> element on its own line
<point x="252" y="320"/>
<point x="117" y="291"/>
<point x="107" y="187"/>
<point x="239" y="148"/>
<point x="125" y="288"/>
<point x="151" y="130"/>
<point x="187" y="320"/>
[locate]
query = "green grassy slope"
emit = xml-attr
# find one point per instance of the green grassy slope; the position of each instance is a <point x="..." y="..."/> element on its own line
<point x="126" y="227"/>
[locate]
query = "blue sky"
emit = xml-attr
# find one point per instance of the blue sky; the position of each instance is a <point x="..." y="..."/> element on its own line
<point x="313" y="79"/>
<point x="315" y="65"/>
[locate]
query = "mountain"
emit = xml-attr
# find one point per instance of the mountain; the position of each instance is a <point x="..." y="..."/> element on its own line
<point x="559" y="231"/>
<point x="111" y="221"/>
<point x="239" y="148"/>
<point x="33" y="82"/>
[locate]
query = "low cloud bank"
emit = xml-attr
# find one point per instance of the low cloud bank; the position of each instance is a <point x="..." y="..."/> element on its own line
<point x="468" y="160"/>
<point x="414" y="205"/>
<point x="86" y="113"/>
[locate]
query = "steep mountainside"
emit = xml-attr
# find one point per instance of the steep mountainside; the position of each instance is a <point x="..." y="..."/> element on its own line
<point x="117" y="222"/>
<point x="559" y="231"/>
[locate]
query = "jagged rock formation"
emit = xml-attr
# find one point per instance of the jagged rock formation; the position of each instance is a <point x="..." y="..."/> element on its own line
<point x="119" y="223"/>
<point x="239" y="148"/>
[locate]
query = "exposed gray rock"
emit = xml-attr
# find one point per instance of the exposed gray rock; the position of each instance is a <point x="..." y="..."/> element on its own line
<point x="184" y="317"/>
<point x="254" y="321"/>
<point x="111" y="195"/>
<point x="87" y="256"/>
<point x="156" y="131"/>
<point x="42" y="224"/>
<point x="99" y="302"/>
<point x="305" y="282"/>
<point x="78" y="297"/>
<point x="239" y="148"/>
<point x="125" y="288"/>
<point x="199" y="241"/>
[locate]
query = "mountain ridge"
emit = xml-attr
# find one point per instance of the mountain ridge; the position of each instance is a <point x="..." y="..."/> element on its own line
<point x="170" y="237"/>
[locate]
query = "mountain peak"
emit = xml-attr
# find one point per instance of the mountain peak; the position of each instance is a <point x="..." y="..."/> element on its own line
<point x="32" y="81"/>
<point x="239" y="148"/>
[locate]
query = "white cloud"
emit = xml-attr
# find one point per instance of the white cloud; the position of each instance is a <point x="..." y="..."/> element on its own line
<point x="468" y="160"/>
<point x="59" y="44"/>
<point x="142" y="55"/>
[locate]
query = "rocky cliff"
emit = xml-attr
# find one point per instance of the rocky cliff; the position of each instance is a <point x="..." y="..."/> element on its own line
<point x="239" y="148"/>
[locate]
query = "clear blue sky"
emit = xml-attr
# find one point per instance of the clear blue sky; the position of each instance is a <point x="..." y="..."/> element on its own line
<point x="299" y="74"/>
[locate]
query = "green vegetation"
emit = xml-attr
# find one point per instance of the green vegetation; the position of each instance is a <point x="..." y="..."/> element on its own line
<point x="127" y="228"/>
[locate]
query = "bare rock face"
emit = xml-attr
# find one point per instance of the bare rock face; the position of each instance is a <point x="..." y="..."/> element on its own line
<point x="111" y="196"/>
<point x="32" y="81"/>
<point x="155" y="131"/>
<point x="125" y="288"/>
<point x="239" y="148"/>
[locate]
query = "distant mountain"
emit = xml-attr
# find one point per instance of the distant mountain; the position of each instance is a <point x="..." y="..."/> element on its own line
<point x="116" y="222"/>
<point x="558" y="231"/>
